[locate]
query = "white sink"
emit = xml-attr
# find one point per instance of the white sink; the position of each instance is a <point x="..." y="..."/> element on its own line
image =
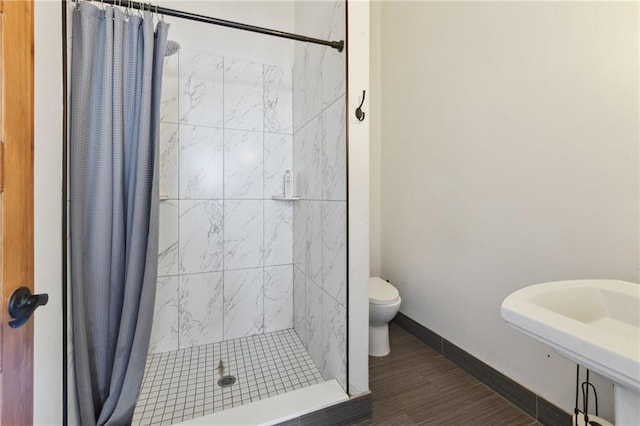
<point x="595" y="323"/>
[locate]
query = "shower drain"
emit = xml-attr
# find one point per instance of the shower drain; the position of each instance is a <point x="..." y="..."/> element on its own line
<point x="226" y="381"/>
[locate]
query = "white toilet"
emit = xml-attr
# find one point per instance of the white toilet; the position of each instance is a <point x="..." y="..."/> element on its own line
<point x="384" y="302"/>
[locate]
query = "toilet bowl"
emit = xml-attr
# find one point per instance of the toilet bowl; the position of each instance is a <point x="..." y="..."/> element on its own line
<point x="384" y="302"/>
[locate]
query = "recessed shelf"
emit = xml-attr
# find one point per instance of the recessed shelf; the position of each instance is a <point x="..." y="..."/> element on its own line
<point x="283" y="198"/>
<point x="164" y="197"/>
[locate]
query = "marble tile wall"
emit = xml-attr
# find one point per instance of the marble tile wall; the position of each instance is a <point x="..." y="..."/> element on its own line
<point x="319" y="161"/>
<point x="225" y="259"/>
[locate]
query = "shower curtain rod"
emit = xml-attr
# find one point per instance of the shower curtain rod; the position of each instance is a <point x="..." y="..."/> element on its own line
<point x="338" y="45"/>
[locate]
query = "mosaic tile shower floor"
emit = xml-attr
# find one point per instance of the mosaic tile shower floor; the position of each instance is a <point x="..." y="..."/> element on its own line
<point x="183" y="384"/>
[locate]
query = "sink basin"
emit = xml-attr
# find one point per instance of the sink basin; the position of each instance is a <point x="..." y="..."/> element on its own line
<point x="595" y="323"/>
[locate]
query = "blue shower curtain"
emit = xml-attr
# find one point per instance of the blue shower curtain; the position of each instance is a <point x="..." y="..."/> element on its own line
<point x="116" y="76"/>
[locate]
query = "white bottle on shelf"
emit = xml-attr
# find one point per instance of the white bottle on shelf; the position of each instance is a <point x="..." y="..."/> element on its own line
<point x="288" y="184"/>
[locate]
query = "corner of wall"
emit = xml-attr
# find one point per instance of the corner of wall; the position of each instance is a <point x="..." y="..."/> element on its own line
<point x="375" y="137"/>
<point x="359" y="208"/>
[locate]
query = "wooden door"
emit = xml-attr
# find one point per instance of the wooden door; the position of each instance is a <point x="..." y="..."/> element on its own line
<point x="16" y="205"/>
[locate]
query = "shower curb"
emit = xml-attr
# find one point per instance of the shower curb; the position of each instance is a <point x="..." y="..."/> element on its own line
<point x="354" y="410"/>
<point x="534" y="405"/>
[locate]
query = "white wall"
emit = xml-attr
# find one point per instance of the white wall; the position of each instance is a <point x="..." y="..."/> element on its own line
<point x="48" y="213"/>
<point x="358" y="187"/>
<point x="375" y="135"/>
<point x="509" y="157"/>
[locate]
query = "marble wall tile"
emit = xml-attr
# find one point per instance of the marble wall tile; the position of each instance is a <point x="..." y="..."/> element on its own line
<point x="319" y="160"/>
<point x="334" y="152"/>
<point x="243" y="164"/>
<point x="315" y="331"/>
<point x="334" y="24"/>
<point x="278" y="158"/>
<point x="170" y="90"/>
<point x="201" y="161"/>
<point x="169" y="147"/>
<point x="313" y="241"/>
<point x="314" y="58"/>
<point x="201" y="308"/>
<point x="243" y="303"/>
<point x="164" y="332"/>
<point x="225" y="145"/>
<point x="333" y="63"/>
<point x="300" y="209"/>
<point x="307" y="83"/>
<point x="334" y="340"/>
<point x="333" y="76"/>
<point x="300" y="304"/>
<point x="168" y="261"/>
<point x="278" y="232"/>
<point x="201" y="236"/>
<point x="298" y="85"/>
<point x="278" y="100"/>
<point x="334" y="249"/>
<point x="243" y="234"/>
<point x="243" y="95"/>
<point x="201" y="88"/>
<point x="307" y="159"/>
<point x="278" y="298"/>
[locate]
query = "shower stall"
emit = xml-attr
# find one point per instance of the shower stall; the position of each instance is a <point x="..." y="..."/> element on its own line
<point x="251" y="298"/>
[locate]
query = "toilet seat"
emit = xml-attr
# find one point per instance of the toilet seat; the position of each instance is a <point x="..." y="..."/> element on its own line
<point x="381" y="292"/>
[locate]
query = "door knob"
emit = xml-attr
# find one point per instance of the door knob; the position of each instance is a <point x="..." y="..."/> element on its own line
<point x="22" y="304"/>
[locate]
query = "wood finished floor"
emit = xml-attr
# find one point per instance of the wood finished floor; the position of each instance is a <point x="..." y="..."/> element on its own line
<point x="414" y="385"/>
